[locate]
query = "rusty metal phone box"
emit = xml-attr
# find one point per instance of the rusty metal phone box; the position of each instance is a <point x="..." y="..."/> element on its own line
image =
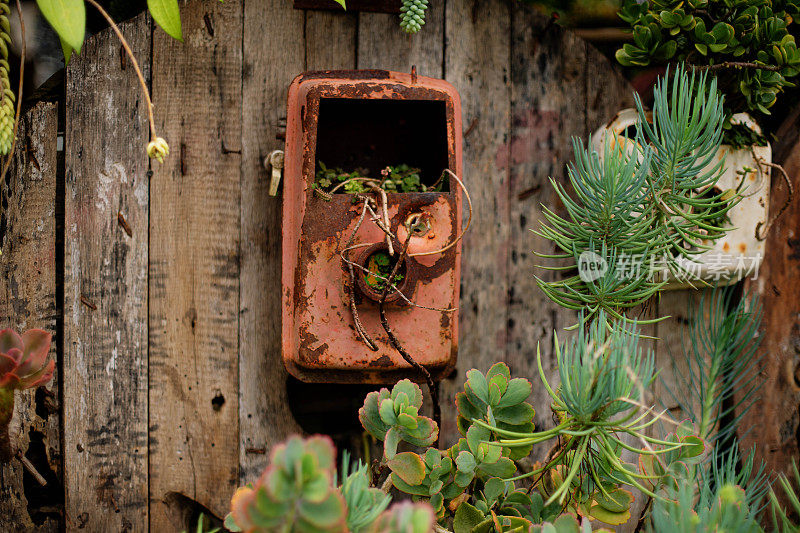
<point x="370" y="120"/>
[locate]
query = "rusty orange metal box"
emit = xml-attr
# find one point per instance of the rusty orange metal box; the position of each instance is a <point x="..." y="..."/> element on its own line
<point x="369" y="119"/>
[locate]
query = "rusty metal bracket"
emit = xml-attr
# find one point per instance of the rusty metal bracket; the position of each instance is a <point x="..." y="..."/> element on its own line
<point x="274" y="160"/>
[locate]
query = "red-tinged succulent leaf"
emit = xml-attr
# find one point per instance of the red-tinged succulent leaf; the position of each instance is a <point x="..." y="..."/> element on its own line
<point x="23" y="360"/>
<point x="328" y="515"/>
<point x="8" y="363"/>
<point x="602" y="514"/>
<point x="515" y="414"/>
<point x="517" y="391"/>
<point x="10" y="381"/>
<point x="10" y="339"/>
<point x="502" y="468"/>
<point x="408" y="466"/>
<point x="242" y="499"/>
<point x="386" y="412"/>
<point x="617" y="501"/>
<point x="37" y="345"/>
<point x="322" y="447"/>
<point x="477" y="384"/>
<point x="466" y="408"/>
<point x="424" y="434"/>
<point x="693" y="446"/>
<point x="405" y="517"/>
<point x="414" y="490"/>
<point x="44" y="375"/>
<point x="370" y="417"/>
<point x="499" y="369"/>
<point x="410" y="389"/>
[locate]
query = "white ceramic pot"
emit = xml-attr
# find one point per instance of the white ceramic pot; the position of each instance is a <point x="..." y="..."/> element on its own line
<point x="738" y="254"/>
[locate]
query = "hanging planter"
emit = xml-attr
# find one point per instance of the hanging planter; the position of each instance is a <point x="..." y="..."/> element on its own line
<point x="739" y="251"/>
<point x="371" y="227"/>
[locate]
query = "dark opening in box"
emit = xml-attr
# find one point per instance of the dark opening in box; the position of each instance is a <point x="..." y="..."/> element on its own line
<point x="371" y="134"/>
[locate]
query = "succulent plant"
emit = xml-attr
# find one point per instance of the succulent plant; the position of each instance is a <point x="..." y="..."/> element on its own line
<point x="23" y="365"/>
<point x="364" y="503"/>
<point x="405" y="517"/>
<point x="23" y="359"/>
<point x="295" y="493"/>
<point x="747" y="41"/>
<point x="394" y="417"/>
<point x="495" y="398"/>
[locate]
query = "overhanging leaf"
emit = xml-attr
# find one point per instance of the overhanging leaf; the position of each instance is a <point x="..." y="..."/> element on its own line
<point x="167" y="14"/>
<point x="68" y="19"/>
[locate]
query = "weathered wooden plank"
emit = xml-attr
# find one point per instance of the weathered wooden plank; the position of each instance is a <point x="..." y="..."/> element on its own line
<point x="482" y="77"/>
<point x="270" y="65"/>
<point x="773" y="421"/>
<point x="330" y="40"/>
<point x="194" y="262"/>
<point x="548" y="84"/>
<point x="28" y="300"/>
<point x="383" y="45"/>
<point x="105" y="286"/>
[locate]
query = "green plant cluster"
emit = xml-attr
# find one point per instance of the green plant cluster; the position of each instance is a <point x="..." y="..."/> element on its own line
<point x="379" y="267"/>
<point x="23" y="365"/>
<point x="412" y="15"/>
<point x="298" y="493"/>
<point x="398" y="178"/>
<point x="644" y="205"/>
<point x="650" y="196"/>
<point x="748" y="40"/>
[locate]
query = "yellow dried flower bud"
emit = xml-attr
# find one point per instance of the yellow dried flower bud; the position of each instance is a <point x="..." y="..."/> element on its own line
<point x="158" y="149"/>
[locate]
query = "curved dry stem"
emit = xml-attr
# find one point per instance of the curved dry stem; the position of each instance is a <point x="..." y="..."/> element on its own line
<point x="134" y="62"/>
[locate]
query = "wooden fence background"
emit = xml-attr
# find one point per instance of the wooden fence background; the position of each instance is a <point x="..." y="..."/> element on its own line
<point x="162" y="281"/>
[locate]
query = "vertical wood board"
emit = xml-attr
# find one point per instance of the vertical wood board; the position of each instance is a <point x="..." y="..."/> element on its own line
<point x="105" y="286"/>
<point x="195" y="223"/>
<point x="28" y="300"/>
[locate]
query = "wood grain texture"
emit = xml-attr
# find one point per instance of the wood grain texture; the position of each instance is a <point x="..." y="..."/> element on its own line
<point x="194" y="262"/>
<point x="269" y="66"/>
<point x="331" y="40"/>
<point x="28" y="300"/>
<point x="548" y="84"/>
<point x="773" y="421"/>
<point x="482" y="77"/>
<point x="383" y="45"/>
<point x="105" y="286"/>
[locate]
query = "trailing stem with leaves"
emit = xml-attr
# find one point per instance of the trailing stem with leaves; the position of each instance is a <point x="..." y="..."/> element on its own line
<point x="68" y="19"/>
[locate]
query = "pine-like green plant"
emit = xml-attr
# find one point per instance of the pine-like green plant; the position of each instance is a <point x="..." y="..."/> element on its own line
<point x="604" y="374"/>
<point x="639" y="209"/>
<point x="364" y="503"/>
<point x="720" y="379"/>
<point x="781" y="518"/>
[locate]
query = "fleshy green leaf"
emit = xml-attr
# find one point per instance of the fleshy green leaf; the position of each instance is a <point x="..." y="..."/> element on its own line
<point x="408" y="466"/>
<point x="68" y="19"/>
<point x="466" y="518"/>
<point x="167" y="14"/>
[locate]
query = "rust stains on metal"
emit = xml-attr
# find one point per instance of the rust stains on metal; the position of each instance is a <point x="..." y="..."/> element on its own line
<point x="319" y="340"/>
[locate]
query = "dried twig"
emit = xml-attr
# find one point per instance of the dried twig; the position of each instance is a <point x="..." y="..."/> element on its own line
<point x="736" y="65"/>
<point x="432" y="386"/>
<point x="761" y="235"/>
<point x="31" y="469"/>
